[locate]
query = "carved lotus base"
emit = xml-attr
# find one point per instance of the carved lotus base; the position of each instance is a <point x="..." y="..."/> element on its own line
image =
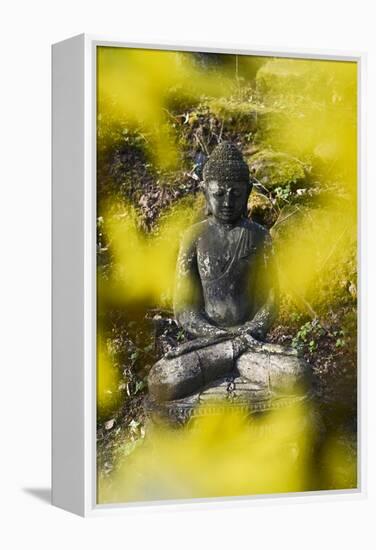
<point x="233" y="391"/>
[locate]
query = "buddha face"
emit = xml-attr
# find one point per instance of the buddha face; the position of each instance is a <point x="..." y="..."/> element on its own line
<point x="227" y="201"/>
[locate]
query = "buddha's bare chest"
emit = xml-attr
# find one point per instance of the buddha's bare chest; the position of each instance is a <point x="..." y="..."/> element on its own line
<point x="219" y="255"/>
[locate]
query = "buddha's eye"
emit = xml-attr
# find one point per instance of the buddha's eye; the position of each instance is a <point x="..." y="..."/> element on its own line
<point x="219" y="193"/>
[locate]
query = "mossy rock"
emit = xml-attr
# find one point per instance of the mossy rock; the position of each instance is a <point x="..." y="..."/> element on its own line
<point x="261" y="209"/>
<point x="282" y="76"/>
<point x="274" y="169"/>
<point x="239" y="115"/>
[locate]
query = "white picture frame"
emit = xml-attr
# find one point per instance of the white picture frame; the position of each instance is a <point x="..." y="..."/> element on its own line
<point x="74" y="276"/>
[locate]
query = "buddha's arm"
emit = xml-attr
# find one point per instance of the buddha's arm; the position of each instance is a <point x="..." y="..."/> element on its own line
<point x="262" y="321"/>
<point x="188" y="300"/>
<point x="259" y="325"/>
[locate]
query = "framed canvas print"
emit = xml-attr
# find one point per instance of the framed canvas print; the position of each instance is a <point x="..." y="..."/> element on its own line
<point x="206" y="341"/>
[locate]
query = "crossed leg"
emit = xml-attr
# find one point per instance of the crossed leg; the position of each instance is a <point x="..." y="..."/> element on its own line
<point x="180" y="376"/>
<point x="175" y="378"/>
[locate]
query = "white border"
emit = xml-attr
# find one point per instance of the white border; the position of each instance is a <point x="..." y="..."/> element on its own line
<point x="91" y="508"/>
<point x="68" y="252"/>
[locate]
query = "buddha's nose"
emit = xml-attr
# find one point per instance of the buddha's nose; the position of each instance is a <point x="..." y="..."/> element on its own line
<point x="227" y="200"/>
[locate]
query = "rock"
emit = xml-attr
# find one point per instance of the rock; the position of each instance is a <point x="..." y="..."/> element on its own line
<point x="261" y="209"/>
<point x="275" y="169"/>
<point x="281" y="76"/>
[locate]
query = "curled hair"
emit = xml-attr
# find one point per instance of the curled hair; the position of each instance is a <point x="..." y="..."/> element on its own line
<point x="226" y="163"/>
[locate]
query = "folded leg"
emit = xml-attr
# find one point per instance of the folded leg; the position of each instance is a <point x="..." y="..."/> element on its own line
<point x="180" y="376"/>
<point x="280" y="373"/>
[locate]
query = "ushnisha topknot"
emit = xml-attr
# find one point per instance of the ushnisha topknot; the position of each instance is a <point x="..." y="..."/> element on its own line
<point x="226" y="163"/>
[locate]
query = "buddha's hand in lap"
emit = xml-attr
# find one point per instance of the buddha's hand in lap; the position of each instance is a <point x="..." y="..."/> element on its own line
<point x="219" y="335"/>
<point x="244" y="341"/>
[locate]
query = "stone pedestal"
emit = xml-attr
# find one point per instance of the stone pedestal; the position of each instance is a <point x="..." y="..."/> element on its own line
<point x="233" y="391"/>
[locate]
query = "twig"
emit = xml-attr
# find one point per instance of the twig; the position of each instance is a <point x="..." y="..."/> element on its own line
<point x="175" y="117"/>
<point x="334" y="247"/>
<point x="310" y="309"/>
<point x="202" y="144"/>
<point x="286" y="217"/>
<point x="221" y="131"/>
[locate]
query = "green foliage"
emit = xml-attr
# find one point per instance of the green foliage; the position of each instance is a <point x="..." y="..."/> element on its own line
<point x="308" y="336"/>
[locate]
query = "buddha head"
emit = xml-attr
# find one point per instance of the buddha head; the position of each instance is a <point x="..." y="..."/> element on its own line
<point x="226" y="184"/>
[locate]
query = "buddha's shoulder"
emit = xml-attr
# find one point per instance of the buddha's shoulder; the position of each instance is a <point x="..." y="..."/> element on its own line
<point x="195" y="231"/>
<point x="258" y="232"/>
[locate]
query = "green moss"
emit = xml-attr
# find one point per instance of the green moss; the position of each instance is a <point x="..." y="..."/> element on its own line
<point x="262" y="209"/>
<point x="275" y="169"/>
<point x="284" y="76"/>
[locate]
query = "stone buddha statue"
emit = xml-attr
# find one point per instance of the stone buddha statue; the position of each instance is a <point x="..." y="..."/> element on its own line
<point x="226" y="298"/>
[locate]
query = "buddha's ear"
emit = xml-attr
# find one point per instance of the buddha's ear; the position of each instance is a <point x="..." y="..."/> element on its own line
<point x="203" y="187"/>
<point x="250" y="187"/>
<point x="252" y="182"/>
<point x="246" y="210"/>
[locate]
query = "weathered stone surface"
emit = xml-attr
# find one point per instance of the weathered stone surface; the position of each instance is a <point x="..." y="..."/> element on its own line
<point x="235" y="392"/>
<point x="171" y="378"/>
<point x="259" y="381"/>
